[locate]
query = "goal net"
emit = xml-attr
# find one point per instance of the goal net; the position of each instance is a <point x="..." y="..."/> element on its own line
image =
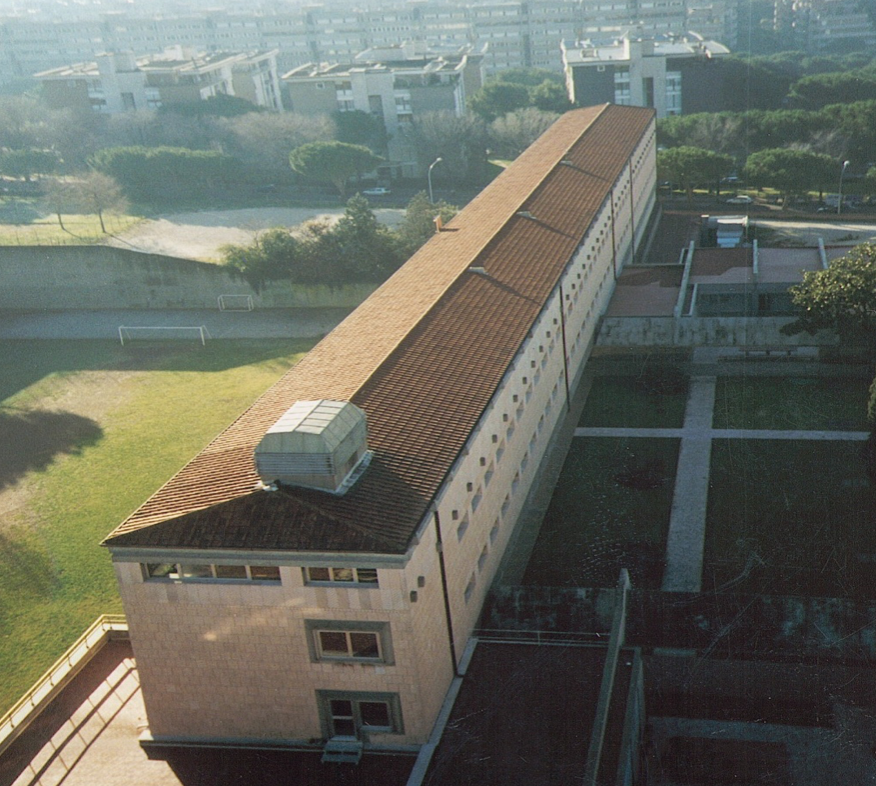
<point x="235" y="303"/>
<point x="162" y="333"/>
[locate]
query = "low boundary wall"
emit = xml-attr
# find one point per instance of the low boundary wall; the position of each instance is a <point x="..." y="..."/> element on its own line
<point x="704" y="331"/>
<point x="59" y="278"/>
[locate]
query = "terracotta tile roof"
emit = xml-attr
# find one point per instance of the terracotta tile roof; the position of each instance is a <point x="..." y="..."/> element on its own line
<point x="422" y="356"/>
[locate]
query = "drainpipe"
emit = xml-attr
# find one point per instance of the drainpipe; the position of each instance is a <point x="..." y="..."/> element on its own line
<point x="632" y="211"/>
<point x="565" y="355"/>
<point x="439" y="546"/>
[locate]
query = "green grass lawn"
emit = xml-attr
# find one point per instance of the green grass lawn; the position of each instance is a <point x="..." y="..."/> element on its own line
<point x="832" y="403"/>
<point x="629" y="402"/>
<point x="604" y="516"/>
<point x="88" y="430"/>
<point x="790" y="518"/>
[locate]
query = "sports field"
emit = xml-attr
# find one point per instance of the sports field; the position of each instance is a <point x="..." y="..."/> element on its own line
<point x="88" y="430"/>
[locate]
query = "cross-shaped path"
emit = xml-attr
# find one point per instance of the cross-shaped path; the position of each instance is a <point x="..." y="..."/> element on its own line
<point x="687" y="522"/>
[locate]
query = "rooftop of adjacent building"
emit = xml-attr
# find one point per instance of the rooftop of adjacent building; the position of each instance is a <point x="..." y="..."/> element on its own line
<point x="626" y="48"/>
<point x="178" y="59"/>
<point x="652" y="290"/>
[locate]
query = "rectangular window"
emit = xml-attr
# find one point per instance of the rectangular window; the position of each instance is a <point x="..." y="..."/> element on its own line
<point x="347" y="713"/>
<point x="171" y="571"/>
<point x="344" y="576"/>
<point x="334" y="640"/>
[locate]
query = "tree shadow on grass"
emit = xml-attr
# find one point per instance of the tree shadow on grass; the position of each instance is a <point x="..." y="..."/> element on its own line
<point x="31" y="440"/>
<point x="27" y="572"/>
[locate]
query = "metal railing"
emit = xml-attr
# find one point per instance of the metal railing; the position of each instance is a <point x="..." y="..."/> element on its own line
<point x="539" y="636"/>
<point x="32" y="703"/>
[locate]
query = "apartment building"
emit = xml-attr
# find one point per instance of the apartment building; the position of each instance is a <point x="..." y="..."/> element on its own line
<point x="120" y="82"/>
<point x="670" y="74"/>
<point x="516" y="33"/>
<point x="393" y="84"/>
<point x="313" y="575"/>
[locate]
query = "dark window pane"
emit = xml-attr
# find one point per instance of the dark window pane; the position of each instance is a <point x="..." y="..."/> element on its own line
<point x="367" y="575"/>
<point x="333" y="642"/>
<point x="375" y="713"/>
<point x="364" y="645"/>
<point x="318" y="574"/>
<point x="264" y="572"/>
<point x="344" y="727"/>
<point x="196" y="571"/>
<point x="341" y="708"/>
<point x="231" y="571"/>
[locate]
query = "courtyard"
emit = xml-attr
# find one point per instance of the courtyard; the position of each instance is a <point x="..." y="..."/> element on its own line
<point x="733" y="477"/>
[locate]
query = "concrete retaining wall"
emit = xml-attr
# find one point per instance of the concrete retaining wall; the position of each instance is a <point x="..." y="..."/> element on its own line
<point x="704" y="331"/>
<point x="102" y="277"/>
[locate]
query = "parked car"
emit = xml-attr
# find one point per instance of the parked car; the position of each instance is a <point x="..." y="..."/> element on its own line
<point x="376" y="191"/>
<point x="740" y="199"/>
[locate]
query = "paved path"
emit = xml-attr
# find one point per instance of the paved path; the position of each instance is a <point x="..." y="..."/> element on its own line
<point x="266" y="323"/>
<point x="687" y="522"/>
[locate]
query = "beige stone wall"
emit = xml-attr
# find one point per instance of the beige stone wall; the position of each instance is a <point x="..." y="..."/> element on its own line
<point x="232" y="661"/>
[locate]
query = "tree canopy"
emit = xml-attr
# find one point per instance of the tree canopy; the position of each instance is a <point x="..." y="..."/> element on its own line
<point x="496" y="98"/>
<point x="790" y="171"/>
<point x="332" y="162"/>
<point x="842" y="297"/>
<point x="355" y="249"/>
<point x="688" y="166"/>
<point x="164" y="172"/>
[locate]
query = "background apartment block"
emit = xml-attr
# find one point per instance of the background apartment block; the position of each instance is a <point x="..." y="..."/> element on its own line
<point x="671" y="75"/>
<point x="392" y="84"/>
<point x="278" y="611"/>
<point x="120" y="82"/>
<point x="518" y="33"/>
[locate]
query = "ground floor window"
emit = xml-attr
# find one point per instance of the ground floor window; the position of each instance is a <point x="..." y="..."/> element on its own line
<point x="352" y="713"/>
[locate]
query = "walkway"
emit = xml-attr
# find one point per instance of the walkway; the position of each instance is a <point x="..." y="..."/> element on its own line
<point x="687" y="523"/>
<point x="258" y="324"/>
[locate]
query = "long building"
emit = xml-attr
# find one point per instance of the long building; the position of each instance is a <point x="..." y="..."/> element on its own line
<point x="316" y="571"/>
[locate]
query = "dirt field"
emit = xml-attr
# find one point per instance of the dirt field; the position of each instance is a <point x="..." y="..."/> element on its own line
<point x="201" y="235"/>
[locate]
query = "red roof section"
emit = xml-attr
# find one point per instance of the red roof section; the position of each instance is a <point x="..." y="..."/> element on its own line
<point x="422" y="356"/>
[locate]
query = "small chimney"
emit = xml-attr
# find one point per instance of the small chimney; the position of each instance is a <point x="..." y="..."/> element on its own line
<point x="439" y="223"/>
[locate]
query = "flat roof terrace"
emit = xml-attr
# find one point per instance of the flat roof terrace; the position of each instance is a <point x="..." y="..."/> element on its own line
<point x="652" y="290"/>
<point x="525" y="714"/>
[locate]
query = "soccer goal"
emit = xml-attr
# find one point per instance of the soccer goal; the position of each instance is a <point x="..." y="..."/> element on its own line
<point x="162" y="333"/>
<point x="235" y="303"/>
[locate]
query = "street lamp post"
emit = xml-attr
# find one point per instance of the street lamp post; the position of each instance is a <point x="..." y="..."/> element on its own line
<point x="429" y="177"/>
<point x="839" y="204"/>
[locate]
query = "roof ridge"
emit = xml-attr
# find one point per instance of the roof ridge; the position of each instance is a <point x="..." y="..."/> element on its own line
<point x="531" y="152"/>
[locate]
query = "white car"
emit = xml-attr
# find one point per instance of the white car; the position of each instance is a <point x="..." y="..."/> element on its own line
<point x="377" y="191"/>
<point x="741" y="199"/>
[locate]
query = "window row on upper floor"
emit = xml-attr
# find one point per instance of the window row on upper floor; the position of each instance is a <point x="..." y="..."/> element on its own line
<point x="364" y="578"/>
